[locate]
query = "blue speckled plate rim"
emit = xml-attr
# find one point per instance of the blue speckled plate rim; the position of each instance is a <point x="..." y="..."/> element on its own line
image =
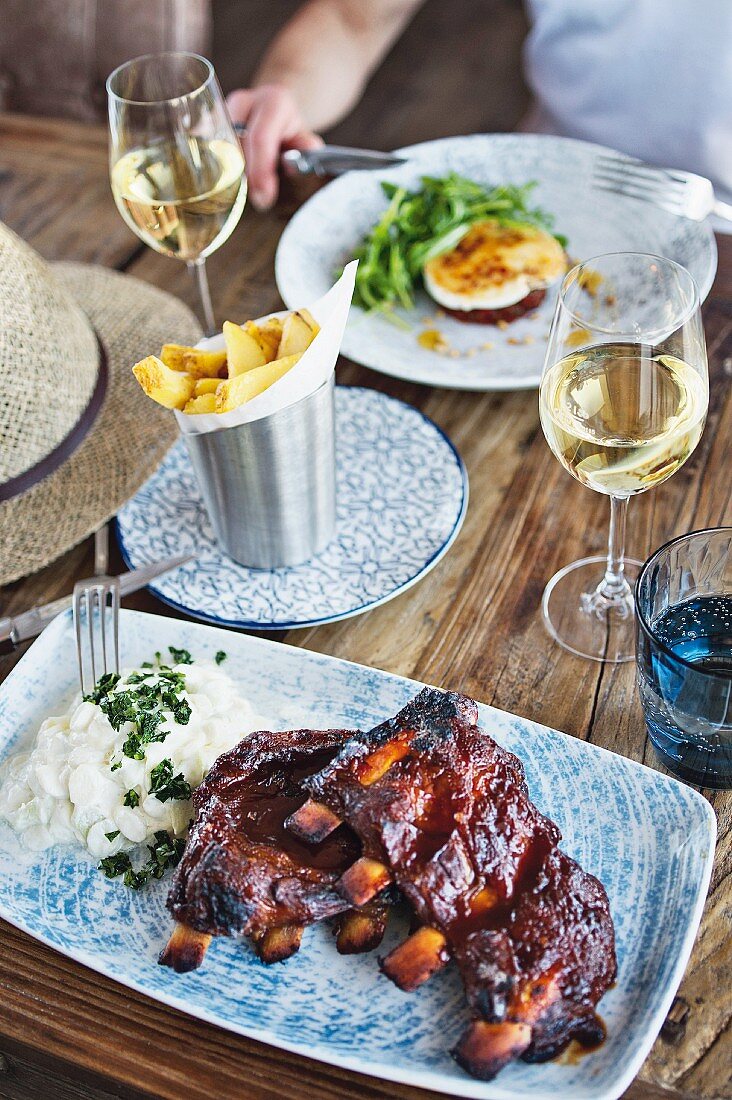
<point x="414" y="1076"/>
<point x="245" y="624"/>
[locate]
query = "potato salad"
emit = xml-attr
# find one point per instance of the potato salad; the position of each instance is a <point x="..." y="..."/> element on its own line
<point x="118" y="769"/>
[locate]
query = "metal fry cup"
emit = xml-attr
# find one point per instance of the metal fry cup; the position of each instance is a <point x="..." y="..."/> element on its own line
<point x="269" y="485"/>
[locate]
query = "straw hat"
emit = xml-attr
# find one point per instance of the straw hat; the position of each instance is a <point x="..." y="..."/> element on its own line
<point x="77" y="435"/>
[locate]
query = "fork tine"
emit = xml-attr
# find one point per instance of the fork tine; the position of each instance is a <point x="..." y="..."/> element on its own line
<point x="641" y="189"/>
<point x="79" y="598"/>
<point x="90" y="601"/>
<point x="621" y="185"/>
<point x="115" y="623"/>
<point x="99" y="599"/>
<point x="102" y="601"/>
<point x="632" y="168"/>
<point x="662" y="204"/>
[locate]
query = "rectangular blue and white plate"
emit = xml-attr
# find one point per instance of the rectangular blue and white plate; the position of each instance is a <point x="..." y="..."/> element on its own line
<point x="647" y="837"/>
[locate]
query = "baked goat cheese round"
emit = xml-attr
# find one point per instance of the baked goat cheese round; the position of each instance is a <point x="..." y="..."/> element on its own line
<point x="494" y="266"/>
<point x="109" y="773"/>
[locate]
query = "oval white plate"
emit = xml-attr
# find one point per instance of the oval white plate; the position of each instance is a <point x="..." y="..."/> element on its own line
<point x="402" y="494"/>
<point x="324" y="232"/>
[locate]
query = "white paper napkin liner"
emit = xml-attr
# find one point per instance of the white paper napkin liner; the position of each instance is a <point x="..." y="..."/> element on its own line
<point x="310" y="372"/>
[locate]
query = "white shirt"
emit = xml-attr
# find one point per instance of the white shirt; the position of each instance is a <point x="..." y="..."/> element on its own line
<point x="652" y="78"/>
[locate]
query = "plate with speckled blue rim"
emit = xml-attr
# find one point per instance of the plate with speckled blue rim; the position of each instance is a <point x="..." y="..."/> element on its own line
<point x="401" y="498"/>
<point x="647" y="837"/>
<point x="324" y="232"/>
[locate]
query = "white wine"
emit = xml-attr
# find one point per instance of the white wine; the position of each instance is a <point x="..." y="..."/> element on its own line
<point x="184" y="197"/>
<point x="622" y="418"/>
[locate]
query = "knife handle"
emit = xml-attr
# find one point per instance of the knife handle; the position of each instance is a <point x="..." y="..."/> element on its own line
<point x="8" y="637"/>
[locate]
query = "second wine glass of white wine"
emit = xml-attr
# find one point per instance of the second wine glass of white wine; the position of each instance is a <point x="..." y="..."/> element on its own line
<point x="176" y="165"/>
<point x="623" y="402"/>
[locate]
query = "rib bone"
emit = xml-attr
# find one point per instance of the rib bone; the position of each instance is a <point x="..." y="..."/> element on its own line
<point x="363" y="880"/>
<point x="313" y="822"/>
<point x="416" y="959"/>
<point x="485" y="1048"/>
<point x="361" y="930"/>
<point x="185" y="949"/>
<point x="278" y="944"/>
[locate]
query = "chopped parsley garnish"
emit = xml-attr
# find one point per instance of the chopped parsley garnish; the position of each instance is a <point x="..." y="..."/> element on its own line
<point x="132" y="798"/>
<point x="182" y="712"/>
<point x="220" y="657"/>
<point x="103" y="686"/>
<point x="139" y="677"/>
<point x="180" y="656"/>
<point x="115" y="865"/>
<point x="164" y="852"/>
<point x="142" y="700"/>
<point x="164" y="785"/>
<point x="112" y="836"/>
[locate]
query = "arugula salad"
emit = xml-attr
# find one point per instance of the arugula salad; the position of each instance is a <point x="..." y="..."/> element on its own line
<point x="419" y="225"/>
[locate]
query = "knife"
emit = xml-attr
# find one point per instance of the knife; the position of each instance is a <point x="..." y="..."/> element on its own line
<point x="334" y="160"/>
<point x="30" y="623"/>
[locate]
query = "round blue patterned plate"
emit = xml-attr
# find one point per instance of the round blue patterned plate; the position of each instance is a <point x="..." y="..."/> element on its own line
<point x="402" y="494"/>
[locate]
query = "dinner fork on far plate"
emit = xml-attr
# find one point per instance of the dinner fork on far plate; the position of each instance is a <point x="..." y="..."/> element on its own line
<point x="678" y="192"/>
<point x="96" y="615"/>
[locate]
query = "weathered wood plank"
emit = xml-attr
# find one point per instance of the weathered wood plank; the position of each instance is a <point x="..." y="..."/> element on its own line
<point x="55" y="193"/>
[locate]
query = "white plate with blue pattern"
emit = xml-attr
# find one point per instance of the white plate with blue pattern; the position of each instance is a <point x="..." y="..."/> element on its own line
<point x="401" y="495"/>
<point x="324" y="232"/>
<point x="649" y="838"/>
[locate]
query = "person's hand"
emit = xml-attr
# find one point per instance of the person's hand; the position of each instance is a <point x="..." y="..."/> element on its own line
<point x="273" y="122"/>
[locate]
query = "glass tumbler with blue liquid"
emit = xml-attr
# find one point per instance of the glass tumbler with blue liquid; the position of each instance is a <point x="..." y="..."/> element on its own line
<point x="684" y="655"/>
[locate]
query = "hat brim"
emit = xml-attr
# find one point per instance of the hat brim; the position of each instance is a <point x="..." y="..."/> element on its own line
<point x="128" y="438"/>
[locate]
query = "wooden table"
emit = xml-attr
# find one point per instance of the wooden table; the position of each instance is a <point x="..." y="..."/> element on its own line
<point x="472" y="625"/>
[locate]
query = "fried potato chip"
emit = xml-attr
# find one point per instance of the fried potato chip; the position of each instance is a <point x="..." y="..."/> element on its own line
<point x="204" y="403"/>
<point x="234" y="392"/>
<point x="243" y="351"/>
<point x="194" y="361"/>
<point x="170" y="388"/>
<point x="299" y="329"/>
<point x="206" y="385"/>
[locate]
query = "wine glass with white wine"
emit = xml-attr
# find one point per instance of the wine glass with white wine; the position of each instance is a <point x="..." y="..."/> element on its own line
<point x="176" y="165"/>
<point x="623" y="402"/>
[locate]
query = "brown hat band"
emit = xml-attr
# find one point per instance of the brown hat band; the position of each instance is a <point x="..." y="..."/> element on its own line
<point x="14" y="486"/>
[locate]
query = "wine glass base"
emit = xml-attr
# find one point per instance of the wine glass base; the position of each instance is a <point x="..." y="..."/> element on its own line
<point x="582" y="620"/>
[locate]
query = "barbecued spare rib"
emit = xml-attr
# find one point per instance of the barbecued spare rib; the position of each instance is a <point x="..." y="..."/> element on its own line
<point x="444" y="812"/>
<point x="243" y="873"/>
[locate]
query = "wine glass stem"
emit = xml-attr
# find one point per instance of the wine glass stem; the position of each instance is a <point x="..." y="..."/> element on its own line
<point x="614" y="585"/>
<point x="197" y="269"/>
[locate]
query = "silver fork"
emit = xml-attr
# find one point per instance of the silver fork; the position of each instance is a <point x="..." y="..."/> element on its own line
<point x="678" y="192"/>
<point x="96" y="609"/>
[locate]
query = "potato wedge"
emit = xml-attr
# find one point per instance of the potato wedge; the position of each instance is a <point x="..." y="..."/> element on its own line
<point x="194" y="361"/>
<point x="299" y="329"/>
<point x="204" y="403"/>
<point x="243" y="351"/>
<point x="206" y="385"/>
<point x="270" y="333"/>
<point x="170" y="388"/>
<point x="234" y="392"/>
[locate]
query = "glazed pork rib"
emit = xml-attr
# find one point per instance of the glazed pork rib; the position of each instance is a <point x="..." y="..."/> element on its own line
<point x="444" y="813"/>
<point x="243" y="873"/>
